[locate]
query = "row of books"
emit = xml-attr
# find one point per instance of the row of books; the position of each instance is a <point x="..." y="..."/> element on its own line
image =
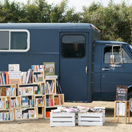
<point x="24" y="114"/>
<point x="14" y="103"/>
<point x="29" y="90"/>
<point x="27" y="76"/>
<point x="4" y="78"/>
<point x="50" y="87"/>
<point x="49" y="102"/>
<point x="27" y="102"/>
<point x="7" y="91"/>
<point x="37" y="67"/>
<point x="58" y="100"/>
<point x="6" y="116"/>
<point x="38" y="77"/>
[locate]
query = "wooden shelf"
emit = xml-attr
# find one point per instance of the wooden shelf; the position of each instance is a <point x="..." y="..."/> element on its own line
<point x="33" y="96"/>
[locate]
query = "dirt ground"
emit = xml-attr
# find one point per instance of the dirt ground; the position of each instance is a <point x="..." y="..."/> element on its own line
<point x="43" y="125"/>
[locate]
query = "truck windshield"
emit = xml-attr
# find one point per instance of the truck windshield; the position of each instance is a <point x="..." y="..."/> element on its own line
<point x="129" y="47"/>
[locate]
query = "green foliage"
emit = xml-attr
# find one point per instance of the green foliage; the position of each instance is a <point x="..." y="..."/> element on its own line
<point x="114" y="21"/>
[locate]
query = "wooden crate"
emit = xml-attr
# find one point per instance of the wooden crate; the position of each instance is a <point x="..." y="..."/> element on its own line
<point x="62" y="119"/>
<point x="91" y="119"/>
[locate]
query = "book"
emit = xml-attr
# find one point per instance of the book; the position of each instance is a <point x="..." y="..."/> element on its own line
<point x="31" y="114"/>
<point x="47" y="114"/>
<point x="40" y="77"/>
<point x="49" y="68"/>
<point x="2" y="104"/>
<point x="15" y="77"/>
<point x="6" y="77"/>
<point x="18" y="114"/>
<point x="50" y="102"/>
<point x="39" y="102"/>
<point x="3" y="92"/>
<point x="56" y="100"/>
<point x="51" y="77"/>
<point x="13" y="67"/>
<point x="25" y="101"/>
<point x="3" y="78"/>
<point x="37" y="67"/>
<point x="25" y="116"/>
<point x="27" y="90"/>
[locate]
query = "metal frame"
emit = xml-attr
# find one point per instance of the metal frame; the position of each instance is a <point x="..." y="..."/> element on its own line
<point x="18" y="30"/>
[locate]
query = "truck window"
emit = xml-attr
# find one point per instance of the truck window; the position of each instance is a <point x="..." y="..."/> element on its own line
<point x="14" y="40"/>
<point x="117" y="54"/>
<point x="73" y="46"/>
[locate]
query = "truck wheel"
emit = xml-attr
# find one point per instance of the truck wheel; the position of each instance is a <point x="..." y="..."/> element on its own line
<point x="130" y="99"/>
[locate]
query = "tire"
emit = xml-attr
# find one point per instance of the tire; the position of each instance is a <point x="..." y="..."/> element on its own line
<point x="130" y="98"/>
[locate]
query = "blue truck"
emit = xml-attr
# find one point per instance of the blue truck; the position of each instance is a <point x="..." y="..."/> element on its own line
<point x="88" y="68"/>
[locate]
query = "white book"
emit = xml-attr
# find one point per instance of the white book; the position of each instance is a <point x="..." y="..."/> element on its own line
<point x="17" y="104"/>
<point x="11" y="115"/>
<point x="28" y="73"/>
<point x="18" y="114"/>
<point x="25" y="116"/>
<point x="1" y="116"/>
<point x="13" y="67"/>
<point x="31" y="114"/>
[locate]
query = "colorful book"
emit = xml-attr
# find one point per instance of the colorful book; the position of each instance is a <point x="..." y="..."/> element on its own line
<point x="49" y="68"/>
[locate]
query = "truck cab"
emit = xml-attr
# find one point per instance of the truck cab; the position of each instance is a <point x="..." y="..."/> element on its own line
<point x="112" y="67"/>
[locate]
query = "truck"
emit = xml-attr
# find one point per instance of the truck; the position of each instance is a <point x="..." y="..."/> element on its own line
<point x="88" y="68"/>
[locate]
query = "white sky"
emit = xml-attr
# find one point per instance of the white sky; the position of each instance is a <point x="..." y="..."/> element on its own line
<point x="78" y="4"/>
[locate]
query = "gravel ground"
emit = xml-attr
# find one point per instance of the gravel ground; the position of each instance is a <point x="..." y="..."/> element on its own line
<point x="43" y="125"/>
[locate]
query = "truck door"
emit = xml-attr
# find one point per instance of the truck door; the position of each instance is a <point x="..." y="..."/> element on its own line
<point x="74" y="65"/>
<point x="117" y="74"/>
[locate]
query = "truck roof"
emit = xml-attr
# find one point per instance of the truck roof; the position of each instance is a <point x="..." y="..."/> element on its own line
<point x="46" y="26"/>
<point x="110" y="42"/>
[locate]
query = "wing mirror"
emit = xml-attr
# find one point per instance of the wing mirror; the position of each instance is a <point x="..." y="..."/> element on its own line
<point x="118" y="56"/>
<point x="112" y="59"/>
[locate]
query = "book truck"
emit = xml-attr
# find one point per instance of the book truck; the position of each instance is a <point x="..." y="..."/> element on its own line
<point x="37" y="94"/>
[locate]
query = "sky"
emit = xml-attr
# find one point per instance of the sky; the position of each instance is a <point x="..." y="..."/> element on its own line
<point x="78" y="4"/>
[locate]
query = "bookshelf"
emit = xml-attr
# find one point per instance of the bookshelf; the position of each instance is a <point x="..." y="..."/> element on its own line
<point x="27" y="101"/>
<point x="122" y="109"/>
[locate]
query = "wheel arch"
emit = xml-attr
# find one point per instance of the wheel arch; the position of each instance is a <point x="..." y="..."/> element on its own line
<point x="129" y="88"/>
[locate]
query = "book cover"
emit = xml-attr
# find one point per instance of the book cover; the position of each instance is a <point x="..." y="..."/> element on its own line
<point x="25" y="116"/>
<point x="56" y="100"/>
<point x="3" y="78"/>
<point x="13" y="67"/>
<point x="3" y="92"/>
<point x="49" y="68"/>
<point x="40" y="77"/>
<point x="6" y="77"/>
<point x="18" y="114"/>
<point x="25" y="101"/>
<point x="31" y="114"/>
<point x="47" y="114"/>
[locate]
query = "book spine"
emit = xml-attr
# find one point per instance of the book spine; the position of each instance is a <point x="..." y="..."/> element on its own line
<point x="47" y="102"/>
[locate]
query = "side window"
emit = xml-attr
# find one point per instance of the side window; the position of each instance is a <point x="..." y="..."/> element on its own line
<point x="125" y="57"/>
<point x="14" y="40"/>
<point x="73" y="46"/>
<point x="117" y="54"/>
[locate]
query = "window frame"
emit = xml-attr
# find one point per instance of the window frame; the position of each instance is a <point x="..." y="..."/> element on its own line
<point x="121" y="54"/>
<point x="16" y="30"/>
<point x="73" y="35"/>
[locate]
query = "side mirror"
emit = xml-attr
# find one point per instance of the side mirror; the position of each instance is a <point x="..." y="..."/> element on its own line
<point x="112" y="59"/>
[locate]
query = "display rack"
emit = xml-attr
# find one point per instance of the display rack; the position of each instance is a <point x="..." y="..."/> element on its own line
<point x="29" y="101"/>
<point x="122" y="109"/>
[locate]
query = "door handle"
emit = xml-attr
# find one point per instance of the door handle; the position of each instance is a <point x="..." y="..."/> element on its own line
<point x="86" y="69"/>
<point x="105" y="69"/>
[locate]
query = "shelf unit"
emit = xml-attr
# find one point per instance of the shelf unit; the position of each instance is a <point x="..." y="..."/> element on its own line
<point x="29" y="101"/>
<point x="38" y="76"/>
